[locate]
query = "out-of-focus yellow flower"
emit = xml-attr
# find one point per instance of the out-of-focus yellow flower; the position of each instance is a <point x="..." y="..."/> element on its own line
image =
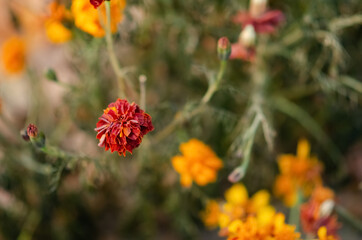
<point x="211" y="214"/>
<point x="55" y="30"/>
<point x="322" y="234"/>
<point x="57" y="33"/>
<point x="297" y="172"/>
<point x="198" y="163"/>
<point x="13" y="55"/>
<point x="274" y="229"/>
<point x="238" y="205"/>
<point x="88" y="19"/>
<point x="265" y="215"/>
<point x="237" y="194"/>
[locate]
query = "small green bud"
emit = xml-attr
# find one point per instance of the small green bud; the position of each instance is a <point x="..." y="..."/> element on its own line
<point x="223" y="48"/>
<point x="51" y="75"/>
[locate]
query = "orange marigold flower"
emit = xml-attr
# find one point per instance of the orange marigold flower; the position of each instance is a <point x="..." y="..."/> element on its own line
<point x="55" y="30"/>
<point x="13" y="55"/>
<point x="87" y="17"/>
<point x="297" y="172"/>
<point x="250" y="228"/>
<point x="198" y="163"/>
<point x="122" y="127"/>
<point x="211" y="214"/>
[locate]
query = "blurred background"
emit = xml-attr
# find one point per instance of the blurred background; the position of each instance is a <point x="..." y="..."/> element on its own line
<point x="79" y="191"/>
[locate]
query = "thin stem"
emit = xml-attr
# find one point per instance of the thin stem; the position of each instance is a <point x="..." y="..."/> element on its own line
<point x="295" y="211"/>
<point x="294" y="111"/>
<point x="182" y="116"/>
<point x="214" y="86"/>
<point x="112" y="56"/>
<point x="143" y="80"/>
<point x="344" y="213"/>
<point x="30" y="225"/>
<point x="250" y="133"/>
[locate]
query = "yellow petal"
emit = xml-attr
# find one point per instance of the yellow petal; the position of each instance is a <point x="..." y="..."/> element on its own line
<point x="303" y="149"/>
<point x="265" y="215"/>
<point x="179" y="163"/>
<point x="186" y="180"/>
<point x="237" y="194"/>
<point x="260" y="199"/>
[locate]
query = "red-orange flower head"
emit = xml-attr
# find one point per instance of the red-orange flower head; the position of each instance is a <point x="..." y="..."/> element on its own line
<point x="97" y="3"/>
<point x="122" y="127"/>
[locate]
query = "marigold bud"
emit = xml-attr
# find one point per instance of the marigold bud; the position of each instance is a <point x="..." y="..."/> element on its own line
<point x="257" y="7"/>
<point x="223" y="48"/>
<point x="237" y="174"/>
<point x="32" y="131"/>
<point x="247" y="37"/>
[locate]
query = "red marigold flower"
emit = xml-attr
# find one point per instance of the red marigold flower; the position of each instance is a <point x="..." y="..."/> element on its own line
<point x="122" y="127"/>
<point x="266" y="23"/>
<point x="97" y="3"/>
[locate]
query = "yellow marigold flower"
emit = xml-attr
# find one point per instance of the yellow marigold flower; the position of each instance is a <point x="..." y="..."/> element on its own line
<point x="283" y="231"/>
<point x="265" y="215"/>
<point x="237" y="194"/>
<point x="322" y="234"/>
<point x="250" y="229"/>
<point x="211" y="214"/>
<point x="55" y="30"/>
<point x="87" y="17"/>
<point x="198" y="163"/>
<point x="238" y="205"/>
<point x="13" y="55"/>
<point x="297" y="172"/>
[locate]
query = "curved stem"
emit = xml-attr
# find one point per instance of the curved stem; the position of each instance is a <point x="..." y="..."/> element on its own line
<point x="181" y="117"/>
<point x="111" y="53"/>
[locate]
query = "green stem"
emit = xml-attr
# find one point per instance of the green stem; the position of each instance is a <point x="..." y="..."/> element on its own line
<point x="250" y="134"/>
<point x="294" y="214"/>
<point x="214" y="86"/>
<point x="344" y="213"/>
<point x="112" y="56"/>
<point x="294" y="111"/>
<point x="181" y="117"/>
<point x="30" y="225"/>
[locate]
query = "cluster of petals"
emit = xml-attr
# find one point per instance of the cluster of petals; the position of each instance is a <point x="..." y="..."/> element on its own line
<point x="197" y="163"/>
<point x="237" y="206"/>
<point x="122" y="127"/>
<point x="317" y="213"/>
<point x="55" y="29"/>
<point x="273" y="229"/>
<point x="300" y="172"/>
<point x="87" y="18"/>
<point x="13" y="55"/>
